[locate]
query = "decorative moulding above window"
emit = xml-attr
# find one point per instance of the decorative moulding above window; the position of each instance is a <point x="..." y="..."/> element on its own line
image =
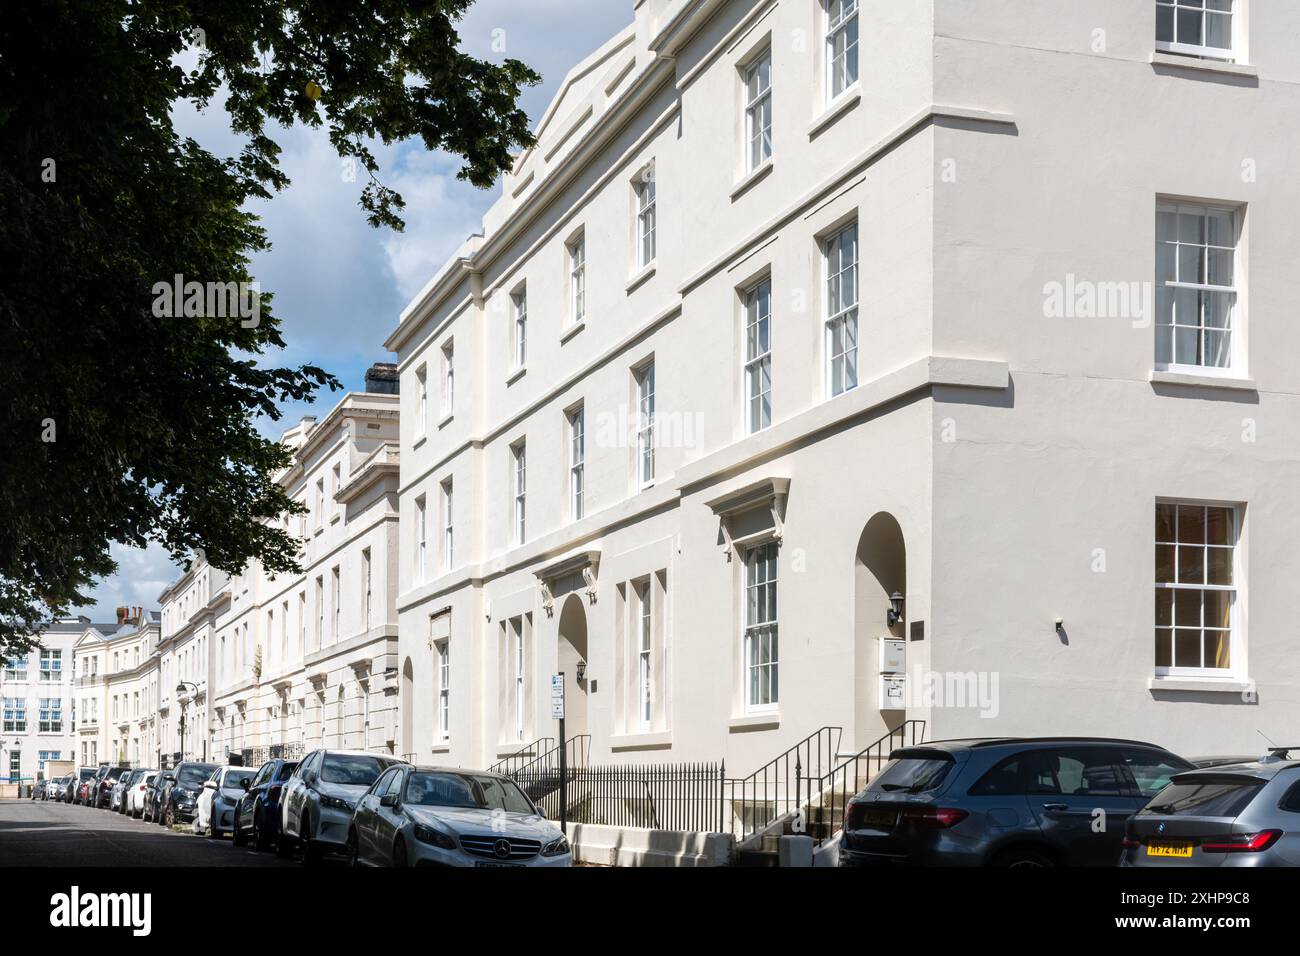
<point x="733" y="508"/>
<point x="586" y="563"/>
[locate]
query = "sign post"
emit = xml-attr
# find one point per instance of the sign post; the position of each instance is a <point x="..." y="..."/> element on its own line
<point x="557" y="713"/>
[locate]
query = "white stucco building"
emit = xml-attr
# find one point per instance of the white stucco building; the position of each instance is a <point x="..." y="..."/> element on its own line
<point x="307" y="660"/>
<point x="192" y="606"/>
<point x="36" y="703"/>
<point x="117" y="688"/>
<point x="798" y="305"/>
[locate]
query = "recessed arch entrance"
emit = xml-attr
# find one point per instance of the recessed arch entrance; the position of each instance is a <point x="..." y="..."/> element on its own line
<point x="571" y="649"/>
<point x="879" y="570"/>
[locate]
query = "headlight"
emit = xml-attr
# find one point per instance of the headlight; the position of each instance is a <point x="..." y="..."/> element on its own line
<point x="336" y="803"/>
<point x="556" y="847"/>
<point x="434" y="837"/>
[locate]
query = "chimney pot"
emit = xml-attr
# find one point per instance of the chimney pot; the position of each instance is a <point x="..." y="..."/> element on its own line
<point x="382" y="379"/>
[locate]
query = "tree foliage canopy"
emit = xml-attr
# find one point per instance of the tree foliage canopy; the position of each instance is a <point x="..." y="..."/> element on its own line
<point x="126" y="425"/>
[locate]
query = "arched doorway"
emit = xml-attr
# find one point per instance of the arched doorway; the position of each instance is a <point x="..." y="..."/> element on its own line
<point x="879" y="570"/>
<point x="572" y="648"/>
<point x="406" y="708"/>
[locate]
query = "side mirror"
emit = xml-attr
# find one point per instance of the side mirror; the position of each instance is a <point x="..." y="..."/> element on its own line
<point x="209" y="785"/>
<point x="388" y="800"/>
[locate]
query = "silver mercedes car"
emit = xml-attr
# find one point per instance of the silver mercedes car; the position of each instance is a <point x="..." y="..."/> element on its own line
<point x="432" y="816"/>
<point x="1242" y="814"/>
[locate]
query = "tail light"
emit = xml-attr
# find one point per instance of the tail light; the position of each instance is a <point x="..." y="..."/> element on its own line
<point x="142" y="788"/>
<point x="1241" y="843"/>
<point x="941" y="817"/>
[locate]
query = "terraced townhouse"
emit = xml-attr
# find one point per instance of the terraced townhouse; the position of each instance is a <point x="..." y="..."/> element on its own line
<point x="116" y="669"/>
<point x="835" y="364"/>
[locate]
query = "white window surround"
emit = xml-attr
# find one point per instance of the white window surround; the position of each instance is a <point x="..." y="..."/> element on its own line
<point x="443" y="650"/>
<point x="1199" y="592"/>
<point x="448" y="528"/>
<point x="422" y="389"/>
<point x="1200" y="321"/>
<point x="645" y="660"/>
<point x="421" y="541"/>
<point x="519" y="453"/>
<point x="448" y="379"/>
<point x="757" y="84"/>
<point x="1209" y="29"/>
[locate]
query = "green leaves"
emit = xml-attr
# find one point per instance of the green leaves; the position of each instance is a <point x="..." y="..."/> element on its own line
<point x="123" y="425"/>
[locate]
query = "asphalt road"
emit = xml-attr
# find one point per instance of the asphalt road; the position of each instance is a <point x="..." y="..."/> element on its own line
<point x="44" y="833"/>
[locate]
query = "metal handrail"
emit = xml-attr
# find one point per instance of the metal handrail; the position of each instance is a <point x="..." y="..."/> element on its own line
<point x="829" y="793"/>
<point x="773" y="790"/>
<point x="522" y="756"/>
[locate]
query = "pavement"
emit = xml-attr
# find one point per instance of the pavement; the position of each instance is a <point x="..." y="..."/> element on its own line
<point x="45" y="833"/>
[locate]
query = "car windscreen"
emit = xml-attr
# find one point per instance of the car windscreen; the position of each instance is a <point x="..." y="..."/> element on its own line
<point x="87" y="774"/>
<point x="351" y="769"/>
<point x="193" y="776"/>
<point x="467" y="791"/>
<point x="1208" y="797"/>
<point x="235" y="780"/>
<point x="286" y="771"/>
<point x="914" y="774"/>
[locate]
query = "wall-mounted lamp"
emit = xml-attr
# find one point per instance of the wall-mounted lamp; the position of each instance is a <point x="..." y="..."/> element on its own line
<point x="582" y="670"/>
<point x="895" y="612"/>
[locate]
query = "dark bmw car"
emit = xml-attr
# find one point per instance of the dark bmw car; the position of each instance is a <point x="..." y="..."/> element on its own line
<point x="153" y="796"/>
<point x="73" y="792"/>
<point x="175" y="803"/>
<point x="257" y="814"/>
<point x="1024" y="802"/>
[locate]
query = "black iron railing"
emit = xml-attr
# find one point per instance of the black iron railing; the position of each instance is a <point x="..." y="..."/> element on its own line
<point x="524" y="756"/>
<point x="776" y="788"/>
<point x="827" y="794"/>
<point x="655" y="796"/>
<point x="540" y="777"/>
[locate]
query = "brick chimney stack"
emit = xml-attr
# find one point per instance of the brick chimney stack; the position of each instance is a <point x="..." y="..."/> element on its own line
<point x="382" y="378"/>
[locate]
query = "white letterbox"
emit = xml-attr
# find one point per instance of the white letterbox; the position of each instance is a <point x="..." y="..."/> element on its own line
<point x="892" y="692"/>
<point x="893" y="656"/>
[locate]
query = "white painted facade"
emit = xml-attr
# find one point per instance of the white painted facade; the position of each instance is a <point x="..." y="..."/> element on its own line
<point x="191" y="609"/>
<point x="36" y="704"/>
<point x="117" y="690"/>
<point x="996" y="465"/>
<point x="307" y="660"/>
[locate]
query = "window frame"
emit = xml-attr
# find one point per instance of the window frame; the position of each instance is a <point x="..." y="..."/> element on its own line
<point x="577" y="252"/>
<point x="519" y="487"/>
<point x="577" y="429"/>
<point x="644" y="379"/>
<point x="750" y="627"/>
<point x="1236" y="668"/>
<point x="752" y="362"/>
<point x="519" y="328"/>
<point x="757" y="108"/>
<point x="447" y="490"/>
<point x="443" y="650"/>
<point x="845" y="317"/>
<point x="645" y="652"/>
<point x="843" y="25"/>
<point x="1235" y="321"/>
<point x="1228" y="54"/>
<point x="646" y="191"/>
<point x="448" y="377"/>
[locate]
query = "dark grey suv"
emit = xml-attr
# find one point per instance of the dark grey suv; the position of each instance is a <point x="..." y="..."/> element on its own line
<point x="1040" y="801"/>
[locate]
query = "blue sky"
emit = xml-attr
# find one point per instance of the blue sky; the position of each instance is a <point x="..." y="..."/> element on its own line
<point x="339" y="284"/>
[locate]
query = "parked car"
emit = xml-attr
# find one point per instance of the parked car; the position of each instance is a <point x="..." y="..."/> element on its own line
<point x="40" y="790"/>
<point x="134" y="802"/>
<point x="214" y="813"/>
<point x="77" y="785"/>
<point x="257" y="815"/>
<point x="122" y="792"/>
<point x="119" y="788"/>
<point x="55" y="789"/>
<point x="318" y="801"/>
<point x="1245" y="814"/>
<point x="179" y="796"/>
<point x="151" y="803"/>
<point x="1025" y="802"/>
<point x="430" y="816"/>
<point x="102" y="795"/>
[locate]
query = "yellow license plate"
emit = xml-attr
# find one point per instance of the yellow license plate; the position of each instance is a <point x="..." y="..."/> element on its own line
<point x="1170" y="849"/>
<point x="880" y="818"/>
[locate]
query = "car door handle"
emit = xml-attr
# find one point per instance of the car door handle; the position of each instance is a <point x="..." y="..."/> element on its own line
<point x="1055" y="807"/>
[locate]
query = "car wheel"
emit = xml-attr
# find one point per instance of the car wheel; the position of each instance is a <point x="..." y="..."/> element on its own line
<point x="237" y="836"/>
<point x="311" y="851"/>
<point x="284" y="845"/>
<point x="169" y="817"/>
<point x="261" y="838"/>
<point x="399" y="852"/>
<point x="351" y="848"/>
<point x="1023" y="859"/>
